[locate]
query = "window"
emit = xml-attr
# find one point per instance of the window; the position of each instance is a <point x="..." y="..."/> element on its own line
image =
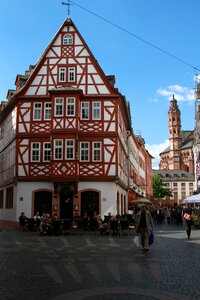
<point x="35" y="152"/>
<point x="47" y="152"/>
<point x="70" y="106"/>
<point x="71" y="74"/>
<point x="1" y="131"/>
<point x="67" y="39"/>
<point x="47" y="111"/>
<point x="58" y="146"/>
<point x="96" y="151"/>
<point x="62" y="74"/>
<point x="37" y="112"/>
<point x="9" y="197"/>
<point x="69" y="149"/>
<point x="96" y="110"/>
<point x="85" y="110"/>
<point x="84" y="151"/>
<point x="1" y="199"/>
<point x="59" y="103"/>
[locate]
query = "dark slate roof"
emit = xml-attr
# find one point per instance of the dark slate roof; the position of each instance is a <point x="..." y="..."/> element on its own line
<point x="187" y="140"/>
<point x="174" y="175"/>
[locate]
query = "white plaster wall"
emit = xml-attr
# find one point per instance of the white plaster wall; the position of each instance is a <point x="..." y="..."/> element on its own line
<point x="24" y="191"/>
<point x="22" y="199"/>
<point x="108" y="195"/>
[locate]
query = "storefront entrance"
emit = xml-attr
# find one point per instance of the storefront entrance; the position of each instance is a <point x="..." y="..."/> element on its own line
<point x="66" y="205"/>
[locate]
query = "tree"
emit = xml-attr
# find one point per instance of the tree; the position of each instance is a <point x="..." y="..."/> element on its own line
<point x="159" y="188"/>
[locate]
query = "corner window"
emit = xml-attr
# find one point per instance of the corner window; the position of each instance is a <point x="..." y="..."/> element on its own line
<point x="37" y="111"/>
<point x="59" y="104"/>
<point x="70" y="106"/>
<point x="96" y="151"/>
<point x="96" y="110"/>
<point x="47" y="152"/>
<point x="58" y="149"/>
<point x="85" y="110"/>
<point x="67" y="39"/>
<point x="35" y="152"/>
<point x="47" y="111"/>
<point x="84" y="151"/>
<point x="69" y="149"/>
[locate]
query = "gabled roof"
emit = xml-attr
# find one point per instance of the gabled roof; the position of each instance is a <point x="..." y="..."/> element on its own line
<point x="187" y="140"/>
<point x="174" y="175"/>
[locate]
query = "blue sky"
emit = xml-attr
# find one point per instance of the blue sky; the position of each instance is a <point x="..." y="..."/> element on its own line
<point x="147" y="76"/>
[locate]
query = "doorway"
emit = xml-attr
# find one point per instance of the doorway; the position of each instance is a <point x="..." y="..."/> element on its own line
<point x="66" y="205"/>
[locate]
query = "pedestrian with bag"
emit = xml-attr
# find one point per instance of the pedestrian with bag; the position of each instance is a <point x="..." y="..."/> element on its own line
<point x="187" y="216"/>
<point x="144" y="226"/>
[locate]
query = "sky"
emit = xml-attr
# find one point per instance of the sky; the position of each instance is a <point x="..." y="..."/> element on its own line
<point x="152" y="48"/>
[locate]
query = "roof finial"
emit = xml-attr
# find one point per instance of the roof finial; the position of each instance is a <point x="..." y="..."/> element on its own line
<point x="68" y="9"/>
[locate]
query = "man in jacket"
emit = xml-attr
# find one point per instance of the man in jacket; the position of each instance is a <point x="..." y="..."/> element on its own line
<point x="144" y="226"/>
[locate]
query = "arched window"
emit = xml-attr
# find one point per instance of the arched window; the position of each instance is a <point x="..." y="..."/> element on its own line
<point x="67" y="39"/>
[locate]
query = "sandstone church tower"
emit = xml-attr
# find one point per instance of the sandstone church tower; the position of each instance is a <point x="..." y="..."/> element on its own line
<point x="179" y="154"/>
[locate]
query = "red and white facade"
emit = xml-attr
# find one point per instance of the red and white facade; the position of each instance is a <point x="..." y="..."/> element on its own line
<point x="65" y="136"/>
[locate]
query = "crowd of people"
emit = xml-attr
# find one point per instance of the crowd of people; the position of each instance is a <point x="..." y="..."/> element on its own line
<point x="142" y="218"/>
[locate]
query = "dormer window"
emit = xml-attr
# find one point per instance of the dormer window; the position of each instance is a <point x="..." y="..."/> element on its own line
<point x="67" y="39"/>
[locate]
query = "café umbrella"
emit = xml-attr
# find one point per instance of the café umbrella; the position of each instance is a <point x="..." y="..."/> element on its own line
<point x="192" y="199"/>
<point x="142" y="201"/>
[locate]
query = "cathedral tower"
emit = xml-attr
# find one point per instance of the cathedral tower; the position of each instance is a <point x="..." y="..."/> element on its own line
<point x="175" y="140"/>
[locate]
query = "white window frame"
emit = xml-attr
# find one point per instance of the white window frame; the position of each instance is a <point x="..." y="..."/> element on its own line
<point x="59" y="107"/>
<point x="47" y="111"/>
<point x="35" y="151"/>
<point x="62" y="74"/>
<point x="58" y="149"/>
<point x="96" y="150"/>
<point x="85" y="111"/>
<point x="37" y="111"/>
<point x="96" y="111"/>
<point x="70" y="107"/>
<point x="46" y="151"/>
<point x="84" y="151"/>
<point x="71" y="74"/>
<point x="68" y="39"/>
<point x="69" y="149"/>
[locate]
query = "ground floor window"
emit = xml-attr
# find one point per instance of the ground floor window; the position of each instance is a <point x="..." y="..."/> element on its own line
<point x="1" y="199"/>
<point x="9" y="197"/>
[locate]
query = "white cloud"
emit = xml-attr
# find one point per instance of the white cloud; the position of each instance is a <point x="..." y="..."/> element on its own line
<point x="154" y="150"/>
<point x="181" y="93"/>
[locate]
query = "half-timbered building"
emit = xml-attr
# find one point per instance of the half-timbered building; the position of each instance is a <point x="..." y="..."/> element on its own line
<point x="64" y="136"/>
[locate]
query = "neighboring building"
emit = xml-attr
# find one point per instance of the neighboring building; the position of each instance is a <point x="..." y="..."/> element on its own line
<point x="177" y="161"/>
<point x="196" y="148"/>
<point x="65" y="136"/>
<point x="180" y="182"/>
<point x="140" y="169"/>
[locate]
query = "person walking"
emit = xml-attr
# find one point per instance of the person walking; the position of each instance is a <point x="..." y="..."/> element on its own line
<point x="187" y="216"/>
<point x="144" y="226"/>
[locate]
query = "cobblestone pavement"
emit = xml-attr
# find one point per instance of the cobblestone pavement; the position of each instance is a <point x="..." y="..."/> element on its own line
<point x="88" y="266"/>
